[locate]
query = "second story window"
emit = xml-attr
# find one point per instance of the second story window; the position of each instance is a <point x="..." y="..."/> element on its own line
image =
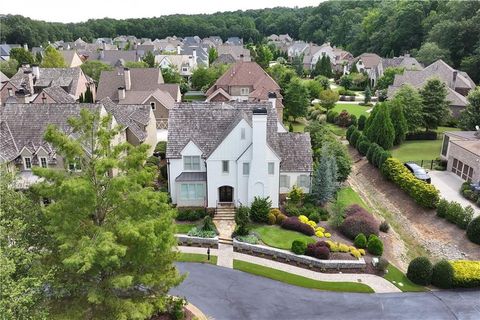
<point x="152" y="104"/>
<point x="284" y="181"/>
<point x="43" y="162"/>
<point x="242" y="133"/>
<point x="271" y="168"/>
<point x="246" y="168"/>
<point x="225" y="166"/>
<point x="191" y="162"/>
<point x="303" y="181"/>
<point x="74" y="165"/>
<point x="27" y="163"/>
<point x="244" y="91"/>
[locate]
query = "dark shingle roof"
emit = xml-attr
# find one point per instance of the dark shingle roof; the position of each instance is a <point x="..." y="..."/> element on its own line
<point x="58" y="94"/>
<point x="207" y="124"/>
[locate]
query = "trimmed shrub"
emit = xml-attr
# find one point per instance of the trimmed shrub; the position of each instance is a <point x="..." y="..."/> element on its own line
<point x="361" y="122"/>
<point x="196" y="232"/>
<point x="332" y="116"/>
<point x="251" y="239"/>
<point x="152" y="161"/>
<point x="420" y="271"/>
<point x="360" y="241"/>
<point x="292" y="210"/>
<point x="363" y="147"/>
<point x="384" y="226"/>
<point x="292" y="223"/>
<point x="318" y="250"/>
<point x="242" y="218"/>
<point x="259" y="209"/>
<point x="349" y="131"/>
<point x="422" y="193"/>
<point x="161" y="149"/>
<point x="208" y="224"/>
<point x="353" y="209"/>
<point x="314" y="216"/>
<point x="360" y="140"/>
<point x="442" y="208"/>
<point x="442" y="274"/>
<point x="354" y="137"/>
<point x="421" y="135"/>
<point x="271" y="218"/>
<point x="375" y="245"/>
<point x="275" y="211"/>
<point x="296" y="195"/>
<point x="473" y="230"/>
<point x="372" y="150"/>
<point x="190" y="214"/>
<point x="280" y="218"/>
<point x="299" y="246"/>
<point x="466" y="217"/>
<point x="358" y="220"/>
<point x="454" y="212"/>
<point x="466" y="273"/>
<point x="344" y="119"/>
<point x="384" y="155"/>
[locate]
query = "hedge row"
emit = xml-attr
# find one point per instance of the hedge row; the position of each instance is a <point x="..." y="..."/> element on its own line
<point x="455" y="213"/>
<point x="422" y="193"/>
<point x="376" y="155"/>
<point x="470" y="194"/>
<point x="421" y="135"/>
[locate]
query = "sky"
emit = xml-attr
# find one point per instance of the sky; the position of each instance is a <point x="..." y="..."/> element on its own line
<point x="61" y="11"/>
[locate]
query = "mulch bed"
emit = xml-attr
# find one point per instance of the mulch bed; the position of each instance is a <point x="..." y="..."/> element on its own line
<point x="164" y="316"/>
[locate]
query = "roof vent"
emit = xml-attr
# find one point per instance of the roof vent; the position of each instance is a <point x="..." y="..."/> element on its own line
<point x="259" y="110"/>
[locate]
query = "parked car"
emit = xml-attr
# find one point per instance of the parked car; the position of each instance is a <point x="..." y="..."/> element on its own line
<point x="418" y="172"/>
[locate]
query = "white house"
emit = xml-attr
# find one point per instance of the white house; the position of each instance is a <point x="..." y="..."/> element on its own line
<point x="232" y="152"/>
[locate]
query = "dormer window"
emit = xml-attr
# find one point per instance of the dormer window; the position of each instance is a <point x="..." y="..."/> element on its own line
<point x="152" y="104"/>
<point x="74" y="166"/>
<point x="27" y="163"/>
<point x="43" y="162"/>
<point x="184" y="69"/>
<point x="191" y="162"/>
<point x="244" y="91"/>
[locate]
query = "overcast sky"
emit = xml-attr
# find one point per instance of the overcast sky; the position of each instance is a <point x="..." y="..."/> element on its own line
<point x="66" y="11"/>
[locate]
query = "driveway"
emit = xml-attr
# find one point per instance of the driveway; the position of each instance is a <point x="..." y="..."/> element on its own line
<point x="223" y="293"/>
<point x="449" y="185"/>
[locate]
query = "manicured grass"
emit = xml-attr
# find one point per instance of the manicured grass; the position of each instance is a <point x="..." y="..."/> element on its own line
<point x="338" y="131"/>
<point x="300" y="281"/>
<point x="352" y="109"/>
<point x="418" y="150"/>
<point x="276" y="237"/>
<point x="399" y="277"/>
<point x="347" y="196"/>
<point x="196" y="257"/>
<point x="445" y="129"/>
<point x="183" y="228"/>
<point x="297" y="126"/>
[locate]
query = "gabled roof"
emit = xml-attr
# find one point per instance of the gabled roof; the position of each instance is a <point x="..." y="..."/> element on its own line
<point x="58" y="94"/>
<point x="8" y="147"/>
<point x="217" y="92"/>
<point x="369" y="60"/>
<point x="236" y="51"/>
<point x="409" y="63"/>
<point x="3" y="77"/>
<point x="112" y="56"/>
<point x="69" y="56"/>
<point x="207" y="125"/>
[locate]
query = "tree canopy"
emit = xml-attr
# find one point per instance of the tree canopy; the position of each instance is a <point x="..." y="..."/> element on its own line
<point x="53" y="59"/>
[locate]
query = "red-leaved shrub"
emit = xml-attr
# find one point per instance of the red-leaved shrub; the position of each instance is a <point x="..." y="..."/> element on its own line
<point x="358" y="220"/>
<point x="292" y="223"/>
<point x="318" y="250"/>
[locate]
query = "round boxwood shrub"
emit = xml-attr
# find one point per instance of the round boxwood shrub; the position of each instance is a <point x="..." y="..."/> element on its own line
<point x="299" y="246"/>
<point x="360" y="241"/>
<point x="354" y="137"/>
<point x="375" y="245"/>
<point x="361" y="122"/>
<point x="420" y="271"/>
<point x="442" y="274"/>
<point x="314" y="216"/>
<point x="280" y="218"/>
<point x="349" y="132"/>
<point x="473" y="230"/>
<point x="363" y="147"/>
<point x="442" y="208"/>
<point x="271" y="218"/>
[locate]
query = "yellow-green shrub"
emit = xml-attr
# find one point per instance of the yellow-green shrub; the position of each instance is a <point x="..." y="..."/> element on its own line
<point x="271" y="218"/>
<point x="356" y="253"/>
<point x="303" y="219"/>
<point x="276" y="212"/>
<point x="466" y="274"/>
<point x="422" y="193"/>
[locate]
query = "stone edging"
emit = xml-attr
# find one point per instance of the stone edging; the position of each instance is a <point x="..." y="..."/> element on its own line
<point x="183" y="239"/>
<point x="196" y="312"/>
<point x="287" y="255"/>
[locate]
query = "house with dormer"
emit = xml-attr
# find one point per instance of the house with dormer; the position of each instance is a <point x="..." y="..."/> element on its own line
<point x="229" y="153"/>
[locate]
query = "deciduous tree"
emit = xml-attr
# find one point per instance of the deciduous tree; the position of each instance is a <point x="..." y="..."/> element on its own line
<point x="94" y="68"/>
<point x="53" y="59"/>
<point x="434" y="103"/>
<point x="411" y="101"/>
<point x="470" y="117"/>
<point x="296" y="99"/>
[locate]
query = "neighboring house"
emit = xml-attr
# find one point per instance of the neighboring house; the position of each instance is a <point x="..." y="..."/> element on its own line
<point x="246" y="81"/>
<point x="72" y="59"/>
<point x="461" y="149"/>
<point x="236" y="41"/>
<point x="198" y="52"/>
<point x="314" y="53"/>
<point x="29" y="81"/>
<point x="184" y="64"/>
<point x="53" y="94"/>
<point x="142" y="86"/>
<point x="285" y="38"/>
<point x="192" y="41"/>
<point x="3" y="78"/>
<point x="114" y="57"/>
<point x="458" y="83"/>
<point x="212" y="41"/>
<point x="233" y="152"/>
<point x="238" y="53"/>
<point x="5" y="50"/>
<point x="405" y="61"/>
<point x="296" y="49"/>
<point x="371" y="64"/>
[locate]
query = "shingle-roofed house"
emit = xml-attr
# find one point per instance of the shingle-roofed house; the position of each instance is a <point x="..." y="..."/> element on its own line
<point x="53" y="94"/>
<point x="232" y="152"/>
<point x="370" y="63"/>
<point x="71" y="57"/>
<point x="238" y="53"/>
<point x="246" y="81"/>
<point x="461" y="150"/>
<point x="405" y="61"/>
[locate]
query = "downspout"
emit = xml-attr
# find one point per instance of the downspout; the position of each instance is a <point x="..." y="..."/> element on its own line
<point x="168" y="174"/>
<point x="206" y="184"/>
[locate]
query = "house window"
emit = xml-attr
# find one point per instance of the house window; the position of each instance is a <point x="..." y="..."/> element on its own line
<point x="271" y="168"/>
<point x="184" y="69"/>
<point x="74" y="165"/>
<point x="27" y="163"/>
<point x="446" y="140"/>
<point x="192" y="191"/>
<point x="284" y="181"/>
<point x="462" y="170"/>
<point x="225" y="166"/>
<point x="242" y="133"/>
<point x="246" y="168"/>
<point x="244" y="91"/>
<point x="303" y="181"/>
<point x="191" y="162"/>
<point x="152" y="104"/>
<point x="43" y="162"/>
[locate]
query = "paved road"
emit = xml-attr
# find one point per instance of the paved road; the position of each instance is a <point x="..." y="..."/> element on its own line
<point x="230" y="294"/>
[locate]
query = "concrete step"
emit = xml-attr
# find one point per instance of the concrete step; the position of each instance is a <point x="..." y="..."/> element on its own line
<point x="224" y="219"/>
<point x="225" y="241"/>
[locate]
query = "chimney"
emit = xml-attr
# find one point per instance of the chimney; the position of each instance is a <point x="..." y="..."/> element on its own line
<point x="102" y="54"/>
<point x="178" y="49"/>
<point x="258" y="166"/>
<point x="454" y="79"/>
<point x="21" y="95"/>
<point x="29" y="75"/>
<point x="195" y="55"/>
<point x="36" y="71"/>
<point x="10" y="92"/>
<point x="190" y="61"/>
<point x="128" y="80"/>
<point x="25" y="47"/>
<point x="272" y="98"/>
<point x="121" y="93"/>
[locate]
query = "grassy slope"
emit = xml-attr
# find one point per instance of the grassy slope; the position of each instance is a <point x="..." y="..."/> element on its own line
<point x="300" y="281"/>
<point x="276" y="237"/>
<point x="347" y="196"/>
<point x="352" y="109"/>
<point x="399" y="277"/>
<point x="196" y="257"/>
<point x="418" y="150"/>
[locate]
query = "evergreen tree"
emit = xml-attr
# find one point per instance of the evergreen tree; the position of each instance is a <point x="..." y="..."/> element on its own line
<point x="324" y="184"/>
<point x="399" y="122"/>
<point x="370" y="118"/>
<point x="149" y="59"/>
<point x="326" y="67"/>
<point x="381" y="130"/>
<point x="53" y="59"/>
<point x="264" y="56"/>
<point x="434" y="103"/>
<point x="114" y="236"/>
<point x="297" y="64"/>
<point x="470" y="117"/>
<point x="368" y="95"/>
<point x="354" y="69"/>
<point x="212" y="55"/>
<point x="411" y="102"/>
<point x="296" y="99"/>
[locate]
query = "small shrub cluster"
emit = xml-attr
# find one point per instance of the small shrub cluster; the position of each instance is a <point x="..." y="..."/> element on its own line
<point x="260" y="208"/>
<point x="466" y="273"/>
<point x="375" y="245"/>
<point x="293" y="223"/>
<point x="332" y="116"/>
<point x="345" y="119"/>
<point x="342" y="247"/>
<point x="420" y="271"/>
<point x="318" y="250"/>
<point x="299" y="246"/>
<point x="442" y="274"/>
<point x="360" y="241"/>
<point x="358" y="220"/>
<point x="422" y="193"/>
<point x="345" y="92"/>
<point x="197" y="232"/>
<point x="191" y="214"/>
<point x="473" y="230"/>
<point x="242" y="219"/>
<point x="470" y="194"/>
<point x="309" y="210"/>
<point x="296" y="195"/>
<point x="421" y="135"/>
<point x="455" y="213"/>
<point x="319" y="231"/>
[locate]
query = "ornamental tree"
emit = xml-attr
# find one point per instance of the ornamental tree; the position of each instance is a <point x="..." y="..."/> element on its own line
<point x="296" y="99"/>
<point x="434" y="103"/>
<point x="324" y="184"/>
<point x="113" y="235"/>
<point x="381" y="130"/>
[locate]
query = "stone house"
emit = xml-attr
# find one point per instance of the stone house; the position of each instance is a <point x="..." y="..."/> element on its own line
<point x="461" y="149"/>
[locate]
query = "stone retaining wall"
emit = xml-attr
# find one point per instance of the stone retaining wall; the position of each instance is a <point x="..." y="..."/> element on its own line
<point x="184" y="240"/>
<point x="306" y="260"/>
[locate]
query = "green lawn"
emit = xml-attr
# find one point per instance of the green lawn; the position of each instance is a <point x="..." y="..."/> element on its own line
<point x="300" y="281"/>
<point x="399" y="277"/>
<point x="183" y="228"/>
<point x="352" y="109"/>
<point x="297" y="126"/>
<point x="196" y="257"/>
<point x="338" y="131"/>
<point x="445" y="129"/>
<point x="276" y="237"/>
<point x="418" y="150"/>
<point x="347" y="196"/>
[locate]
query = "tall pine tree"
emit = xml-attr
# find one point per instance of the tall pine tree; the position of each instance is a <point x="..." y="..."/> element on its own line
<point x="399" y="122"/>
<point x="324" y="184"/>
<point x="434" y="103"/>
<point x="380" y="129"/>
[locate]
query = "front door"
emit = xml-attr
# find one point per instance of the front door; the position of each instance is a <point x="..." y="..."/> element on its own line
<point x="225" y="194"/>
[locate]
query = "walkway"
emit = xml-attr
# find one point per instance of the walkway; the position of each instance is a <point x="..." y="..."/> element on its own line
<point x="225" y="257"/>
<point x="223" y="293"/>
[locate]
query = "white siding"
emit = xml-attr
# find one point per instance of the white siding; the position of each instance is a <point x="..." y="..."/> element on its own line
<point x="293" y="181"/>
